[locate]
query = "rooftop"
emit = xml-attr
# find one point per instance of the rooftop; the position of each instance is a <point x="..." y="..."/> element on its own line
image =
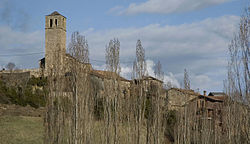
<point x="216" y="94"/>
<point x="55" y="13"/>
<point x="185" y="91"/>
<point x="213" y="98"/>
<point x="106" y="74"/>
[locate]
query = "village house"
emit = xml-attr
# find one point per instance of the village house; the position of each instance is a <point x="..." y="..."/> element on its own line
<point x="177" y="98"/>
<point x="198" y="108"/>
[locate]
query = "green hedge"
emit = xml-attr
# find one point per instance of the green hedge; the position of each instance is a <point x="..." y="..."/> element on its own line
<point x="24" y="95"/>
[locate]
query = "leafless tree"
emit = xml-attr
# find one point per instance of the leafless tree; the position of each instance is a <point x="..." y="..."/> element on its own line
<point x="237" y="85"/>
<point x="169" y="85"/>
<point x="112" y="96"/>
<point x="158" y="104"/>
<point x="140" y="67"/>
<point x="79" y="70"/>
<point x="139" y="72"/>
<point x="112" y="56"/>
<point x="186" y="80"/>
<point x="78" y="47"/>
<point x="10" y="66"/>
<point x="53" y="118"/>
<point x="69" y="104"/>
<point x="159" y="74"/>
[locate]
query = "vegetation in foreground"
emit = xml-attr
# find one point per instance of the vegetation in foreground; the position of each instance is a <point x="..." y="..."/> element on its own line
<point x="31" y="93"/>
<point x="21" y="130"/>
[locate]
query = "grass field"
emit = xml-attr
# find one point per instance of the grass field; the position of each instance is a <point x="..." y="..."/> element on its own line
<point x="30" y="130"/>
<point x="21" y="130"/>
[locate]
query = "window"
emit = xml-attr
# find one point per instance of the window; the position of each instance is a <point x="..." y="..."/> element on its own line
<point x="50" y="23"/>
<point x="56" y="22"/>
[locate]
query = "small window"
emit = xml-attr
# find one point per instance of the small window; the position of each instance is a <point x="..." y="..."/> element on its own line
<point x="56" y="22"/>
<point x="50" y="22"/>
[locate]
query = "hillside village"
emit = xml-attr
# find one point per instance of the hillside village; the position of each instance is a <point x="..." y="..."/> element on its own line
<point x="60" y="69"/>
<point x="56" y="43"/>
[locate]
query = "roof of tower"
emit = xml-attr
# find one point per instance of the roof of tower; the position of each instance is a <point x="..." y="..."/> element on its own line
<point x="55" y="13"/>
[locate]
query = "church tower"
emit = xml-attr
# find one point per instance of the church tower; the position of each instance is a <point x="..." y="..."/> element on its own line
<point x="55" y="41"/>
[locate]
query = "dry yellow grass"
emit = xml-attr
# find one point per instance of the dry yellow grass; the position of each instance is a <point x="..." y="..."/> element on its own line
<point x="21" y="130"/>
<point x="30" y="130"/>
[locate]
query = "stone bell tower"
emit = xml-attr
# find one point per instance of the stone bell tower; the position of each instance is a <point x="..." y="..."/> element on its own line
<point x="55" y="41"/>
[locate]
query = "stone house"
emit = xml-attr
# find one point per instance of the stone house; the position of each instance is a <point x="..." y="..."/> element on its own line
<point x="198" y="107"/>
<point x="210" y="106"/>
<point x="101" y="78"/>
<point x="177" y="98"/>
<point x="206" y="109"/>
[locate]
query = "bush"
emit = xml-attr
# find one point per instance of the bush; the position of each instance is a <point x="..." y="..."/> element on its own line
<point x="25" y="95"/>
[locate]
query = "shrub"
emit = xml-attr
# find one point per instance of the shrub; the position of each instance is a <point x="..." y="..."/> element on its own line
<point x="25" y="95"/>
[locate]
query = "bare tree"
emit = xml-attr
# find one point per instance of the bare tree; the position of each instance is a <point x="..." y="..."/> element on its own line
<point x="186" y="80"/>
<point x="112" y="56"/>
<point x="237" y="85"/>
<point x="10" y="66"/>
<point x="158" y="71"/>
<point x="54" y="126"/>
<point x="113" y="66"/>
<point x="139" y="72"/>
<point x="78" y="47"/>
<point x="69" y="104"/>
<point x="158" y="104"/>
<point x="140" y="67"/>
<point x="79" y="69"/>
<point x="169" y="85"/>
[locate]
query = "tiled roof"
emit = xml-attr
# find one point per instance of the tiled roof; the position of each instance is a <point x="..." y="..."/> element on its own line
<point x="211" y="98"/>
<point x="216" y="98"/>
<point x="186" y="91"/>
<point x="106" y="74"/>
<point x="99" y="73"/>
<point x="73" y="58"/>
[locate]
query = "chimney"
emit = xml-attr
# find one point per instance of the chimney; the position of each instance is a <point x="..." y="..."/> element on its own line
<point x="205" y="93"/>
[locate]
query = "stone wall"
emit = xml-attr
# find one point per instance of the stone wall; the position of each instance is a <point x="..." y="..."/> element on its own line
<point x="33" y="72"/>
<point x="19" y="77"/>
<point x="177" y="98"/>
<point x="15" y="79"/>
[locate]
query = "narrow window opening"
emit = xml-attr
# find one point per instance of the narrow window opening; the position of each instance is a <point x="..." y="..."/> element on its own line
<point x="56" y="22"/>
<point x="51" y="22"/>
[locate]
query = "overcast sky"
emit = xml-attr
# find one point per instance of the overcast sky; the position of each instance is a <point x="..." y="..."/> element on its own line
<point x="191" y="34"/>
